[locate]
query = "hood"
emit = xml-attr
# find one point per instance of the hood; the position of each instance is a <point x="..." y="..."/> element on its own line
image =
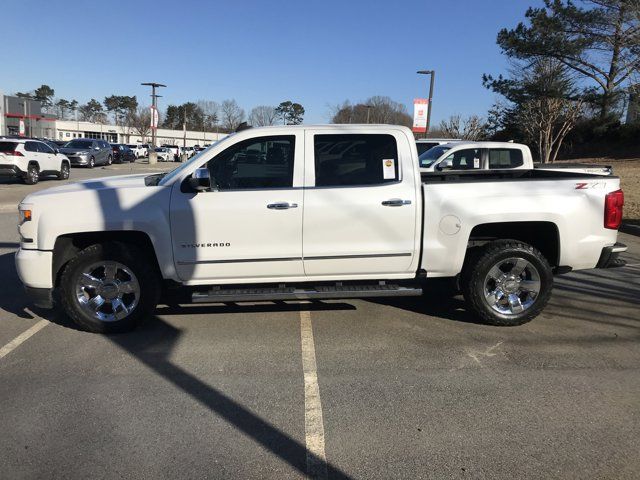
<point x="75" y="150"/>
<point x="92" y="185"/>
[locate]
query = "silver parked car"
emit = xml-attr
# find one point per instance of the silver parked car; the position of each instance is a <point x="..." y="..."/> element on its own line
<point x="88" y="152"/>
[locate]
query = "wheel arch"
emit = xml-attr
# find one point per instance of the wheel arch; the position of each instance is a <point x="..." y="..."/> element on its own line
<point x="68" y="245"/>
<point x="543" y="235"/>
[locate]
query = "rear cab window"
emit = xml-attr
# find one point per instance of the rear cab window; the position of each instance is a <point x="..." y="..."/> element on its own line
<point x="505" y="158"/>
<point x="343" y="160"/>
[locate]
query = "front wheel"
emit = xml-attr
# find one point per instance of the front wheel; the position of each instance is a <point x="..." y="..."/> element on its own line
<point x="92" y="162"/>
<point x="64" y="172"/>
<point x="507" y="282"/>
<point x="109" y="288"/>
<point x="33" y="175"/>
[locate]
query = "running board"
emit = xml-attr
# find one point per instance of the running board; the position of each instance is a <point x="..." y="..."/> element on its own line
<point x="310" y="293"/>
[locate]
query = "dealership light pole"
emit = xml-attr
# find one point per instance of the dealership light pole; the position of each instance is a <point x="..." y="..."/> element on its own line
<point x="433" y="74"/>
<point x="153" y="158"/>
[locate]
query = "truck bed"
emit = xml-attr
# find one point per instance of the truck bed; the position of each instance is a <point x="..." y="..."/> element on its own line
<point x="506" y="175"/>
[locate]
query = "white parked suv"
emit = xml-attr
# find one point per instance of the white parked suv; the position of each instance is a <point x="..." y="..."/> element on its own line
<point x="30" y="160"/>
<point x="138" y="150"/>
<point x="312" y="212"/>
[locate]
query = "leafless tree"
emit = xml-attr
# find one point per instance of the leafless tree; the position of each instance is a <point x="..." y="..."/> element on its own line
<point x="211" y="113"/>
<point x="470" y="128"/>
<point x="262" y="116"/>
<point x="377" y="109"/>
<point x="547" y="120"/>
<point x="231" y="115"/>
<point x="140" y="122"/>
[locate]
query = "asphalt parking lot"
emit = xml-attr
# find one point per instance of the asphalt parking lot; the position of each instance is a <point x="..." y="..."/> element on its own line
<point x="408" y="388"/>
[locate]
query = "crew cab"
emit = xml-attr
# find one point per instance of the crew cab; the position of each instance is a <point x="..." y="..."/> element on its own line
<point x="276" y="213"/>
<point x="465" y="155"/>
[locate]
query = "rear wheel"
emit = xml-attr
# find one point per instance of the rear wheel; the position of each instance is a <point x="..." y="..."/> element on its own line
<point x="109" y="287"/>
<point x="64" y="171"/>
<point x="507" y="282"/>
<point x="33" y="175"/>
<point x="109" y="160"/>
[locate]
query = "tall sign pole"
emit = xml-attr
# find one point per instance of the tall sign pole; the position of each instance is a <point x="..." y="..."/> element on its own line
<point x="153" y="157"/>
<point x="430" y="104"/>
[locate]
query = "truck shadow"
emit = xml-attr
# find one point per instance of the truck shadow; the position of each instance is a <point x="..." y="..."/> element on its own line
<point x="152" y="344"/>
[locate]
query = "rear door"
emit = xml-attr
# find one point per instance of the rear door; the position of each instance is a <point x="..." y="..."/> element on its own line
<point x="32" y="152"/>
<point x="48" y="160"/>
<point x="361" y="206"/>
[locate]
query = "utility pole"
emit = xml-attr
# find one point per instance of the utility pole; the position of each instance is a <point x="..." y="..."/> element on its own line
<point x="153" y="157"/>
<point x="433" y="75"/>
<point x="368" y="112"/>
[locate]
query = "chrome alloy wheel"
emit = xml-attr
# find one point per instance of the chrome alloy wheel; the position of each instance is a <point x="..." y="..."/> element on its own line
<point x="512" y="286"/>
<point x="108" y="291"/>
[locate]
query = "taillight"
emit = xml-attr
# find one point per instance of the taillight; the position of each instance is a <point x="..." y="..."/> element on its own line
<point x="613" y="203"/>
<point x="14" y="153"/>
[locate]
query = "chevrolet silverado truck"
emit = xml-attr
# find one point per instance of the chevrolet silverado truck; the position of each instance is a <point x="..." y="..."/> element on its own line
<point x="312" y="212"/>
<point x="465" y="155"/>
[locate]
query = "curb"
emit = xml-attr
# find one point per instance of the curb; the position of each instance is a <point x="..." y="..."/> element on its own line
<point x="630" y="229"/>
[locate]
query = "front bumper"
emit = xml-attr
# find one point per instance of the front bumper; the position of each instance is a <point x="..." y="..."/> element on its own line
<point x="40" y="297"/>
<point x="78" y="160"/>
<point x="609" y="256"/>
<point x="34" y="269"/>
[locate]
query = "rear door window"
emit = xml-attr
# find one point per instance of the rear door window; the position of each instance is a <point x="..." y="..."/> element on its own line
<point x="505" y="158"/>
<point x="355" y="160"/>
<point x="44" y="148"/>
<point x="31" y="146"/>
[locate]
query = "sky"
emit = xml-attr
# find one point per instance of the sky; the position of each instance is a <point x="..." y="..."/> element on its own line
<point x="317" y="53"/>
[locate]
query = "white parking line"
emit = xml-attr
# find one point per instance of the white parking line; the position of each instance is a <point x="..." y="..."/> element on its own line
<point x="9" y="207"/>
<point x="23" y="337"/>
<point x="313" y="424"/>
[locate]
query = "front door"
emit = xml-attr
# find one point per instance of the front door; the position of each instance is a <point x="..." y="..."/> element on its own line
<point x="248" y="228"/>
<point x="361" y="209"/>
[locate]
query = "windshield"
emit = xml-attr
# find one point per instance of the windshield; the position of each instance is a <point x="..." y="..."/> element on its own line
<point x="429" y="157"/>
<point x="79" y="144"/>
<point x="176" y="172"/>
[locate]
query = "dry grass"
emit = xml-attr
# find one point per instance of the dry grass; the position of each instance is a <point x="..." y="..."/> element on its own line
<point x="629" y="172"/>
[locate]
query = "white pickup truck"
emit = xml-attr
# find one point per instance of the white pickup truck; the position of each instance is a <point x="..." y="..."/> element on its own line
<point x="312" y="212"/>
<point x="465" y="155"/>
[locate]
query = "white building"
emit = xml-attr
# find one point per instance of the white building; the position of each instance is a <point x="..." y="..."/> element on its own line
<point x="19" y="116"/>
<point x="70" y="129"/>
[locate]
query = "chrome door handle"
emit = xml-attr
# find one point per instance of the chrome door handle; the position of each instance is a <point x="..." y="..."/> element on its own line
<point x="282" y="206"/>
<point x="396" y="202"/>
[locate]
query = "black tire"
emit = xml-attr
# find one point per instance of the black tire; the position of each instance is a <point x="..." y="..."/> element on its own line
<point x="33" y="175"/>
<point x="125" y="254"/>
<point x="109" y="160"/>
<point x="476" y="274"/>
<point x="64" y="171"/>
<point x="92" y="162"/>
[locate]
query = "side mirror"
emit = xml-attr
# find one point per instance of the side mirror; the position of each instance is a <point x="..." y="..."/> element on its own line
<point x="200" y="181"/>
